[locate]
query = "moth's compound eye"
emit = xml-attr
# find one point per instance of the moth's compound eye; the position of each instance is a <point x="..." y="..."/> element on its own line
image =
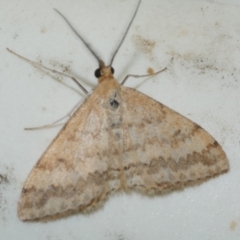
<point x="112" y="70"/>
<point x="98" y="73"/>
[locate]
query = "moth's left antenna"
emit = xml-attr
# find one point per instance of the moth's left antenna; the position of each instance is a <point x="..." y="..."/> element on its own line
<point x="85" y="43"/>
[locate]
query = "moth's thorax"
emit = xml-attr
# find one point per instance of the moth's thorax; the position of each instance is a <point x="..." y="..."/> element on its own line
<point x="107" y="83"/>
<point x="106" y="74"/>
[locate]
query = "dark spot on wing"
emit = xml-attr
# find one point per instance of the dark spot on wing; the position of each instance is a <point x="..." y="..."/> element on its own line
<point x="114" y="103"/>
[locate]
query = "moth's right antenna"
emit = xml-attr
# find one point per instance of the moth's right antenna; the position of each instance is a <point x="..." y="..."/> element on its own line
<point x="85" y="43"/>
<point x="125" y="34"/>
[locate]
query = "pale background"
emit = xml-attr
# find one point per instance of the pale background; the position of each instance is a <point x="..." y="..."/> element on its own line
<point x="202" y="83"/>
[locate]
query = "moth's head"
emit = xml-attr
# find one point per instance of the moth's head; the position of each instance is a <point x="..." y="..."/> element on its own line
<point x="103" y="72"/>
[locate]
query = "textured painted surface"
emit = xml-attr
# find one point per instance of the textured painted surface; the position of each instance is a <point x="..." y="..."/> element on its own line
<point x="202" y="83"/>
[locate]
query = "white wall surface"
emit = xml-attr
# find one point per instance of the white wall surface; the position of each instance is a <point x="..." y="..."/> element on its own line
<point x="202" y="83"/>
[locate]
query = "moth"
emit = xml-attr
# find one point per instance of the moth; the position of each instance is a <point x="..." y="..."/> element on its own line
<point x="117" y="139"/>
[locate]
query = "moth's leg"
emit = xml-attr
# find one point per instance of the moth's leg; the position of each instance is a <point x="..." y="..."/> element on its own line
<point x="38" y="65"/>
<point x="139" y="76"/>
<point x="68" y="115"/>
